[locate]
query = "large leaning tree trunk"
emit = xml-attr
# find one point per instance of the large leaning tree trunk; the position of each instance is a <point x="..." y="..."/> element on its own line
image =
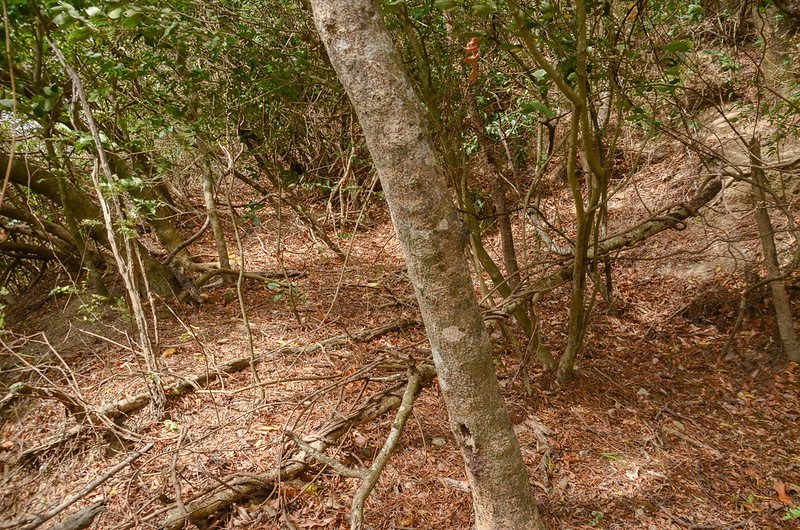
<point x="58" y="190"/>
<point x="433" y="239"/>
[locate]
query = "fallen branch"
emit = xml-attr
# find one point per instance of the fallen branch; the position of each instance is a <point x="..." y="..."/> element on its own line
<point x="171" y="256"/>
<point x="240" y="486"/>
<point x="672" y="219"/>
<point x="82" y="518"/>
<point x="369" y="477"/>
<point x="72" y="405"/>
<point x="29" y="522"/>
<point x="265" y="276"/>
<point x="688" y="439"/>
<point x="132" y="404"/>
<point x="372" y="474"/>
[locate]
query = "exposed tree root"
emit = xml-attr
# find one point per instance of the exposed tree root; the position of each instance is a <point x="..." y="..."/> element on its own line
<point x="119" y="409"/>
<point x="30" y="522"/>
<point x="82" y="518"/>
<point x="236" y="487"/>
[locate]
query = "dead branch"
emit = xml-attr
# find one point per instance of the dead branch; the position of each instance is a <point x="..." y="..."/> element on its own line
<point x="672" y="219"/>
<point x="369" y="477"/>
<point x="697" y="443"/>
<point x="262" y="276"/>
<point x="372" y="474"/>
<point x="72" y="405"/>
<point x="82" y="518"/>
<point x="29" y="522"/>
<point x="239" y="486"/>
<point x="171" y="256"/>
<point x="119" y="409"/>
<point x="332" y="463"/>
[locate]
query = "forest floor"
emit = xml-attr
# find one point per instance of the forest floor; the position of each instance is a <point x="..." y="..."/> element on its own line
<point x="660" y="430"/>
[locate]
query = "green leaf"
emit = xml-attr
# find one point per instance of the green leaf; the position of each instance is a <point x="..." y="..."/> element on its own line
<point x="84" y="141"/>
<point x="792" y="513"/>
<point x="169" y="29"/>
<point x="94" y="11"/>
<point x="7" y="103"/>
<point x="446" y="5"/>
<point x="485" y="9"/>
<point x="535" y="106"/>
<point x="272" y="286"/>
<point x="81" y="33"/>
<point x="678" y="46"/>
<point x="131" y="183"/>
<point x="62" y="19"/>
<point x="114" y="14"/>
<point x="49" y="103"/>
<point x="132" y="18"/>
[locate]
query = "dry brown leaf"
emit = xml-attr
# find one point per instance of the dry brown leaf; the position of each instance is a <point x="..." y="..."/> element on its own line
<point x="780" y="488"/>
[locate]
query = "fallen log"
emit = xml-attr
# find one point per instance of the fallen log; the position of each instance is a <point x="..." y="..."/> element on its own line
<point x="119" y="409"/>
<point x="237" y="487"/>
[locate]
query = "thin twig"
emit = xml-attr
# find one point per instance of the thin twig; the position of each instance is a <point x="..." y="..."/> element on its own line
<point x="174" y="470"/>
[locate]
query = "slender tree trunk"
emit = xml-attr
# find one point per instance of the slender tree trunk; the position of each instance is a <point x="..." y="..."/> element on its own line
<point x="434" y="240"/>
<point x="127" y="263"/>
<point x="213" y="216"/>
<point x="780" y="300"/>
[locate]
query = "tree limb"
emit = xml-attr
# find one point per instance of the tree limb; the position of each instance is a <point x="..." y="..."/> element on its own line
<point x="241" y="486"/>
<point x="30" y="522"/>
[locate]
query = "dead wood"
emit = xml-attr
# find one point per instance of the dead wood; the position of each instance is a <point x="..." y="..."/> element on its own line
<point x="29" y="522"/>
<point x="171" y="256"/>
<point x="259" y="275"/>
<point x="119" y="409"/>
<point x="673" y="218"/>
<point x="692" y="441"/>
<point x="369" y="477"/>
<point x="82" y="518"/>
<point x="73" y="406"/>
<point x="240" y="486"/>
<point x="372" y="474"/>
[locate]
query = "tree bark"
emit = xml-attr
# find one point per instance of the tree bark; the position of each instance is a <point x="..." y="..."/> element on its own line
<point x="433" y="239"/>
<point x="41" y="181"/>
<point x="780" y="300"/>
<point x="213" y="216"/>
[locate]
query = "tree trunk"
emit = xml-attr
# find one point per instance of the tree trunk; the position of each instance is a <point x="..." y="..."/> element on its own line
<point x="433" y="239"/>
<point x="41" y="181"/>
<point x="780" y="300"/>
<point x="213" y="216"/>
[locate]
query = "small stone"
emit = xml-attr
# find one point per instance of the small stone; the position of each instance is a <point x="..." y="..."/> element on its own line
<point x="438" y="441"/>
